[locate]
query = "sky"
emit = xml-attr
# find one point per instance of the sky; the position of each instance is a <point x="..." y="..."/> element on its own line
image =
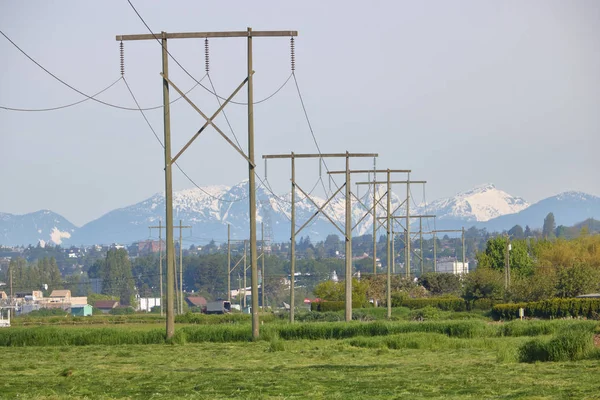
<point x="462" y="93"/>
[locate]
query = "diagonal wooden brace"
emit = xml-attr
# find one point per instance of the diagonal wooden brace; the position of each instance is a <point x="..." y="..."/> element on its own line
<point x="209" y="121"/>
<point x="320" y="210"/>
<point x="380" y="225"/>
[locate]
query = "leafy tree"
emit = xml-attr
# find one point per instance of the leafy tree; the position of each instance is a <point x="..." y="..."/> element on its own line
<point x="336" y="291"/>
<point x="484" y="283"/>
<point x="576" y="280"/>
<point x="440" y="283"/>
<point x="494" y="255"/>
<point x="549" y="226"/>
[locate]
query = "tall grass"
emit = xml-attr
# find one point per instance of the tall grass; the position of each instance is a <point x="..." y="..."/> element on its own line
<point x="241" y="332"/>
<point x="54" y="336"/>
<point x="569" y="345"/>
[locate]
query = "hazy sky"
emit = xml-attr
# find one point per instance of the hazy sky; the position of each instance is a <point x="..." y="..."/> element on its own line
<point x="461" y="92"/>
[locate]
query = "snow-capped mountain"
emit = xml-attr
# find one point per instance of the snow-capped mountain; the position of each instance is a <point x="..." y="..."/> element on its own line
<point x="569" y="208"/>
<point x="479" y="204"/>
<point x="209" y="210"/>
<point x="42" y="226"/>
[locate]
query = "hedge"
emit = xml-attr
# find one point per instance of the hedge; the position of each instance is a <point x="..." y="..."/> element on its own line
<point x="553" y="308"/>
<point x="443" y="303"/>
<point x="323" y="306"/>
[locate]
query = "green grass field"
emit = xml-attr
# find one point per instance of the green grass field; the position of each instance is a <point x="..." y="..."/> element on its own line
<point x="363" y="360"/>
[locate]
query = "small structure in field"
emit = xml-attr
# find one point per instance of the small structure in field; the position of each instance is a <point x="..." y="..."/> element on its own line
<point x="81" y="310"/>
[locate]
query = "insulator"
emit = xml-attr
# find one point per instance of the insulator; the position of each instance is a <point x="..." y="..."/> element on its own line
<point x="122" y="51"/>
<point x="206" y="55"/>
<point x="293" y="54"/>
<point x="265" y="168"/>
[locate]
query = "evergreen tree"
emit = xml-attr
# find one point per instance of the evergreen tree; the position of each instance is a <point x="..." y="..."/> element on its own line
<point x="117" y="279"/>
<point x="549" y="226"/>
<point x="516" y="232"/>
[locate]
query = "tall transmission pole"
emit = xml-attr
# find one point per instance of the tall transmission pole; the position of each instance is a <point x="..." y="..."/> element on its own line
<point x="407" y="244"/>
<point x="228" y="263"/>
<point x="320" y="210"/>
<point x="180" y="284"/>
<point x="249" y="34"/>
<point x="181" y="227"/>
<point x="262" y="274"/>
<point x="160" y="259"/>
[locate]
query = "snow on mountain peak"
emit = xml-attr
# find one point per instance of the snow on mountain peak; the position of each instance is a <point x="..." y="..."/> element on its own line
<point x="481" y="203"/>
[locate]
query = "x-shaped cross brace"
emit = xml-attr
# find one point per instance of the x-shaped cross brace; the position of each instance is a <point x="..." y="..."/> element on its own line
<point x="209" y="121"/>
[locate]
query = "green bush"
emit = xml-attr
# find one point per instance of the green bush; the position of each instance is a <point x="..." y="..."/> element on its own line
<point x="122" y="311"/>
<point x="569" y="345"/>
<point x="553" y="308"/>
<point x="443" y="303"/>
<point x="323" y="306"/>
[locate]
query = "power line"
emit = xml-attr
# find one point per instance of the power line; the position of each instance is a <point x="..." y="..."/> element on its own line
<point x="63" y="106"/>
<point x="87" y="97"/>
<point x="191" y="76"/>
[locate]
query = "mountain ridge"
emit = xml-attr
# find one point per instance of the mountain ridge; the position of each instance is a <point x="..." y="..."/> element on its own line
<point x="210" y="209"/>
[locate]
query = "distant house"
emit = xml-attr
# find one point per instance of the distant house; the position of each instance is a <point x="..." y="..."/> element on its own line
<point x="61" y="294"/>
<point x="106" y="305"/>
<point x="196" y="301"/>
<point x="81" y="310"/>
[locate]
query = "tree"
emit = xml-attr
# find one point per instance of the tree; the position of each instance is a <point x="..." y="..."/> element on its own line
<point x="549" y="226"/>
<point x="440" y="283"/>
<point x="516" y="232"/>
<point x="576" y="280"/>
<point x="495" y="255"/>
<point x="117" y="279"/>
<point x="484" y="283"/>
<point x="527" y="232"/>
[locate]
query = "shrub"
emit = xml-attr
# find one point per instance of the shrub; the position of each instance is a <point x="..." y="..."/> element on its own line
<point x="322" y="306"/>
<point x="553" y="308"/>
<point x="569" y="345"/>
<point x="443" y="303"/>
<point x="122" y="311"/>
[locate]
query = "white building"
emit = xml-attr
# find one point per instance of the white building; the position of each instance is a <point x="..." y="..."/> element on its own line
<point x="146" y="303"/>
<point x="452" y="267"/>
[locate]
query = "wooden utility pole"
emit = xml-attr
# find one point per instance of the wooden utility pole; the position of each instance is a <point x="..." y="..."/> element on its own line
<point x="435" y="232"/>
<point x="389" y="214"/>
<point x="245" y="273"/>
<point x="408" y="216"/>
<point x="181" y="227"/>
<point x="463" y="249"/>
<point x="178" y="286"/>
<point x="434" y="252"/>
<point x="292" y="156"/>
<point x="160" y="274"/>
<point x="374" y="222"/>
<point x="407" y="244"/>
<point x="228" y="263"/>
<point x="249" y="34"/>
<point x="389" y="247"/>
<point x="262" y="274"/>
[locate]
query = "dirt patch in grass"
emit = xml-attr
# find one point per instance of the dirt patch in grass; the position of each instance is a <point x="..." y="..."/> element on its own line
<point x="597" y="341"/>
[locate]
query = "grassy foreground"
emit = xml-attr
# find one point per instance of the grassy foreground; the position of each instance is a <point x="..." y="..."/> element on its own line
<point x="450" y="359"/>
<point x="422" y="367"/>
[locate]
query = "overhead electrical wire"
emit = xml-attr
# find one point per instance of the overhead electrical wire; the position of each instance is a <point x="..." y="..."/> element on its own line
<point x="87" y="97"/>
<point x="191" y="76"/>
<point x="176" y="164"/>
